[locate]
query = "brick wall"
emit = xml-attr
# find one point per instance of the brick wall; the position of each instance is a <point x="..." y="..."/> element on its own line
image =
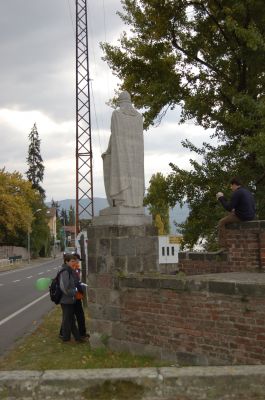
<point x="195" y="321"/>
<point x="246" y="252"/>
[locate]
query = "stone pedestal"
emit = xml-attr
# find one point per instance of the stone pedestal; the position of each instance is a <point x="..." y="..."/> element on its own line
<point x="123" y="249"/>
<point x="122" y="216"/>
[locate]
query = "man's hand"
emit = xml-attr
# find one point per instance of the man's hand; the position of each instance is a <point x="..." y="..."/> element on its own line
<point x="219" y="194"/>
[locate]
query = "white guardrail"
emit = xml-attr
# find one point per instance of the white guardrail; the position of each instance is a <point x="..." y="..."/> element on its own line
<point x="5" y="262"/>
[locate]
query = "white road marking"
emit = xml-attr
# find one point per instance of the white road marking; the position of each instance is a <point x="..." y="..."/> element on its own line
<point x="17" y="280"/>
<point x="25" y="268"/>
<point x="48" y="270"/>
<point x="40" y="273"/>
<point x="22" y="309"/>
<point x="31" y="276"/>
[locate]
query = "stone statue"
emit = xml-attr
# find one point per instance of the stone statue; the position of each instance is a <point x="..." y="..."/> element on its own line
<point x="123" y="161"/>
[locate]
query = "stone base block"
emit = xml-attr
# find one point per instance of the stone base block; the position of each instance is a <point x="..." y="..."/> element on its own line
<point x="122" y="216"/>
<point x="122" y="249"/>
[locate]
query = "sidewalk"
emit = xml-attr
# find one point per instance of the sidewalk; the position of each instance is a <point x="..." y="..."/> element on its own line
<point x="25" y="263"/>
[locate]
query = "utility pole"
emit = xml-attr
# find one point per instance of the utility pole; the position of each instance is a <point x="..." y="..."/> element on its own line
<point x="84" y="173"/>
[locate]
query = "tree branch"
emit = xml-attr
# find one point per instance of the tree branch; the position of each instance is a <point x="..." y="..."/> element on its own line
<point x="195" y="58"/>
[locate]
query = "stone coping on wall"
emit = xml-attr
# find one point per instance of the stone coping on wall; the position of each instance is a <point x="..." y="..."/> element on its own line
<point x="203" y="256"/>
<point x="232" y="283"/>
<point x="256" y="224"/>
<point x="189" y="383"/>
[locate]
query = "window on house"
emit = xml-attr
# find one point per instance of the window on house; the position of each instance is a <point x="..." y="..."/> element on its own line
<point x="163" y="251"/>
<point x="172" y="251"/>
<point x="167" y="251"/>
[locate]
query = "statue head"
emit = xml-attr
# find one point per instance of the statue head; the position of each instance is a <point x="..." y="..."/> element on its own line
<point x="124" y="97"/>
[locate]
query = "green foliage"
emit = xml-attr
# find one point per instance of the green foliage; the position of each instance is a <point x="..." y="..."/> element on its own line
<point x="40" y="242"/>
<point x="22" y="210"/>
<point x="159" y="225"/>
<point x="35" y="171"/>
<point x="16" y="197"/>
<point x="207" y="57"/>
<point x="157" y="201"/>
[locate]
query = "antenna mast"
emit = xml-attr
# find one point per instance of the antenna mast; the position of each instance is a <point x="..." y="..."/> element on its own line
<point x="84" y="175"/>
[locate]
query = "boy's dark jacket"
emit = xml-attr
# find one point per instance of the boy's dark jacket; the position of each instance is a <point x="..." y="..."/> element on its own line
<point x="67" y="285"/>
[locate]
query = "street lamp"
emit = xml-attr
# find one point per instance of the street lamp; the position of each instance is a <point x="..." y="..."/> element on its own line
<point x="39" y="209"/>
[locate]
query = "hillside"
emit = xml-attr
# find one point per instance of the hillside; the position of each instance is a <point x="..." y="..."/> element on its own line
<point x="175" y="214"/>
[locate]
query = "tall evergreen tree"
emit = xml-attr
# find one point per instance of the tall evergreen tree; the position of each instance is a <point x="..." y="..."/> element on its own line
<point x="71" y="215"/>
<point x="35" y="171"/>
<point x="56" y="205"/>
<point x="64" y="217"/>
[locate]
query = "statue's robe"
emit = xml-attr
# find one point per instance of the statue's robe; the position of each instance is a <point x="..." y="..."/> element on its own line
<point x="123" y="161"/>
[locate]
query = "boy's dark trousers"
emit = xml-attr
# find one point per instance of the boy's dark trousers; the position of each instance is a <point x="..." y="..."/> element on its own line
<point x="68" y="323"/>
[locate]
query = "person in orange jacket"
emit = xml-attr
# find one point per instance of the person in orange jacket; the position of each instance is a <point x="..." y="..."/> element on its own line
<point x="78" y="306"/>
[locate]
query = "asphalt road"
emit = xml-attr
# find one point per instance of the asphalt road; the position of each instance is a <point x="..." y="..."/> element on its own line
<point x="22" y="306"/>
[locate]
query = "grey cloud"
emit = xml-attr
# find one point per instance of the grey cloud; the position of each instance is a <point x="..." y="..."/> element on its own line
<point x="37" y="43"/>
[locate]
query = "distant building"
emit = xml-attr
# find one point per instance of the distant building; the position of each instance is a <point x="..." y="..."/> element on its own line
<point x="51" y="214"/>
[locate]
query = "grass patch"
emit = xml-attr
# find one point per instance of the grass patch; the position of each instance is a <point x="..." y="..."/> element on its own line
<point x="44" y="350"/>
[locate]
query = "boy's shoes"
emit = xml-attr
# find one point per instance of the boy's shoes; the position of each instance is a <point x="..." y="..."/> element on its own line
<point x="81" y="340"/>
<point x="62" y="338"/>
<point x="86" y="336"/>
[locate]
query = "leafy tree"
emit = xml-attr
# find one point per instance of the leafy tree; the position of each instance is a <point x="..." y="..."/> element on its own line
<point x="208" y="58"/>
<point x="40" y="241"/>
<point x="16" y="196"/>
<point x="35" y="171"/>
<point x="157" y="202"/>
<point x="159" y="224"/>
<point x="19" y="204"/>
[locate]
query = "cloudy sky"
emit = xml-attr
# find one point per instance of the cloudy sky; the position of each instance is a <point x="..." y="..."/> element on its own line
<point x="37" y="76"/>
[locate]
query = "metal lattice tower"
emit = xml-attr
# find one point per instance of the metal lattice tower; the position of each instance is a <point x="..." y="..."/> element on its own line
<point x="84" y="176"/>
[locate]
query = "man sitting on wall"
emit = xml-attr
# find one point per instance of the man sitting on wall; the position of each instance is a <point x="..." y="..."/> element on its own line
<point x="241" y="207"/>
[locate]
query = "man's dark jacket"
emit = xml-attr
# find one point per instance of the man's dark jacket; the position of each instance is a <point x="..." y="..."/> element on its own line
<point x="242" y="202"/>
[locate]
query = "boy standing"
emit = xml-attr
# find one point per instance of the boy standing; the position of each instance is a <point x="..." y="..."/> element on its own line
<point x="67" y="285"/>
